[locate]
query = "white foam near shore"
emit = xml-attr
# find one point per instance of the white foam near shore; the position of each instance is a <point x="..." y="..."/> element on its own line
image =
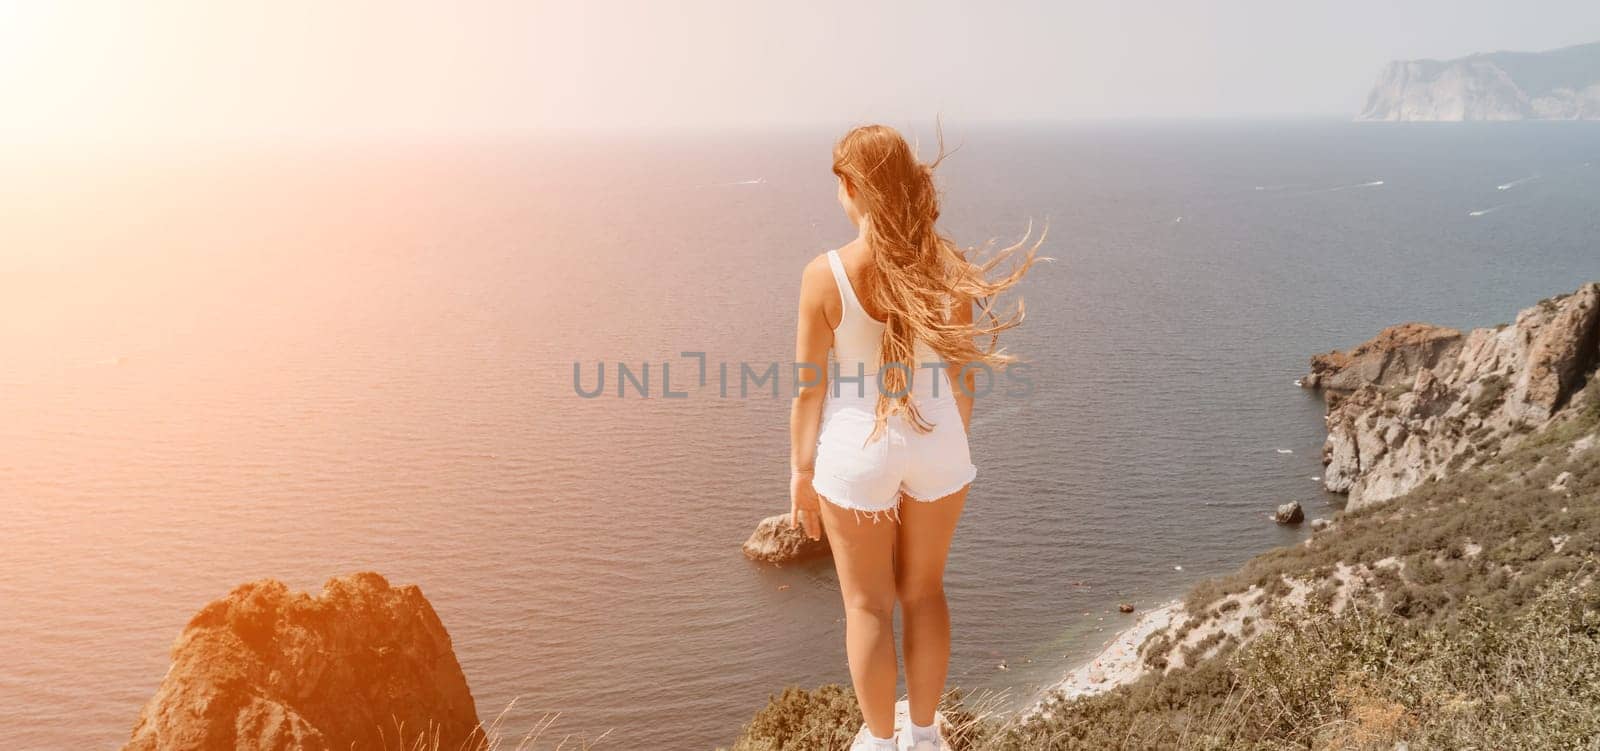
<point x="1118" y="663"/>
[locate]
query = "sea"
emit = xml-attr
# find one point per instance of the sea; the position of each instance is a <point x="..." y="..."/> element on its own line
<point x="228" y="362"/>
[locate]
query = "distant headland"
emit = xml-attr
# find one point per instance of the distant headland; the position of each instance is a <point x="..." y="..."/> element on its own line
<point x="1561" y="84"/>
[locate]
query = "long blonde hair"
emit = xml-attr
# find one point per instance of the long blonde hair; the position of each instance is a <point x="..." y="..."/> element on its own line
<point x="918" y="275"/>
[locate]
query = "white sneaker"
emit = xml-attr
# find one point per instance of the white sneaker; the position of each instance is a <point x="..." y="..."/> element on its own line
<point x="926" y="745"/>
<point x="864" y="741"/>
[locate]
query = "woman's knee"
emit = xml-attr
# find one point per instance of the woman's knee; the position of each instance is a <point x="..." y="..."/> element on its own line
<point x="872" y="606"/>
<point x="919" y="591"/>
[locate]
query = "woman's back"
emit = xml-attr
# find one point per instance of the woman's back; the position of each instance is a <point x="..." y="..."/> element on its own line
<point x="858" y="345"/>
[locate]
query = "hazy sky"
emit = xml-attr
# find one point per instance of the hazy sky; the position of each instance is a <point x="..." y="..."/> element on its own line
<point x="165" y="69"/>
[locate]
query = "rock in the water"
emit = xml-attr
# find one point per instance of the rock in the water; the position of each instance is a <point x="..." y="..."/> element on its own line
<point x="1289" y="513"/>
<point x="1317" y="525"/>
<point x="775" y="542"/>
<point x="363" y="665"/>
<point x="1419" y="402"/>
<point x="1126" y="607"/>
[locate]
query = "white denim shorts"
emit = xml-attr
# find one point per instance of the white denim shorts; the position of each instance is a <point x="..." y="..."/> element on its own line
<point x="870" y="477"/>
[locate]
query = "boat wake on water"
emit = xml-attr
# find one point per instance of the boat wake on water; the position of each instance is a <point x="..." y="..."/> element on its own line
<point x="1373" y="184"/>
<point x="751" y="181"/>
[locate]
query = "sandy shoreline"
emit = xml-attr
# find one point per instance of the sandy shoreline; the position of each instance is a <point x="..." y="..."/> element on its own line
<point x="1118" y="662"/>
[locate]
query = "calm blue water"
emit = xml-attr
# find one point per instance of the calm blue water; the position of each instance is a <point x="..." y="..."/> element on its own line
<point x="314" y="361"/>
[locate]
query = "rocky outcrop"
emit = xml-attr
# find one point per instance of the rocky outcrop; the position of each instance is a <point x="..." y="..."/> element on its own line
<point x="1560" y="353"/>
<point x="1417" y="402"/>
<point x="774" y="541"/>
<point x="1392" y="358"/>
<point x="1561" y="84"/>
<point x="363" y="665"/>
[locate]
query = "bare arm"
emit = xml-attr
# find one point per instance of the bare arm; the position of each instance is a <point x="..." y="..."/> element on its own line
<point x="813" y="337"/>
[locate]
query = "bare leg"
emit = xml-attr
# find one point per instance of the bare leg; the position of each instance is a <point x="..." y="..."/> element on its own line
<point x="863" y="554"/>
<point x="926" y="529"/>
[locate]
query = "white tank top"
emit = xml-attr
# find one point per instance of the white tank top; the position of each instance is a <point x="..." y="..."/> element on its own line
<point x="857" y="343"/>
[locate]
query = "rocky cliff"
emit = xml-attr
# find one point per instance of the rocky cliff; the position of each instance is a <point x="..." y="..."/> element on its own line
<point x="1418" y="402"/>
<point x="1560" y="84"/>
<point x="363" y="665"/>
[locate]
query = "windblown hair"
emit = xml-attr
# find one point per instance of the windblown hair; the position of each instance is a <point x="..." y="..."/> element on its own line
<point x="918" y="275"/>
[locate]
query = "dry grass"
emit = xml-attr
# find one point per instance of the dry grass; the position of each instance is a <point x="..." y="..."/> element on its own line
<point x="827" y="719"/>
<point x="495" y="737"/>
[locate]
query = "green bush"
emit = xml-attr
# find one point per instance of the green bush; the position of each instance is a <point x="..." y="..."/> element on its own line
<point x="799" y="720"/>
<point x="1491" y="396"/>
<point x="828" y="718"/>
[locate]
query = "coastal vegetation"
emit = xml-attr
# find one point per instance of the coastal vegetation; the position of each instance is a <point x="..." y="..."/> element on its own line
<point x="1476" y="624"/>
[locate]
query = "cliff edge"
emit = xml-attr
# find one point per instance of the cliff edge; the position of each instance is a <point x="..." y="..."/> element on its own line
<point x="1420" y="402"/>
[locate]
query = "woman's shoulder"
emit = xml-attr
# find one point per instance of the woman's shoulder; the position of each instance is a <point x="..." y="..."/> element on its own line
<point x="819" y="291"/>
<point x="818" y="274"/>
<point x="819" y="268"/>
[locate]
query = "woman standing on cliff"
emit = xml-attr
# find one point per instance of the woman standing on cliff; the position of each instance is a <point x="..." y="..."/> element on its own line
<point x="880" y="460"/>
